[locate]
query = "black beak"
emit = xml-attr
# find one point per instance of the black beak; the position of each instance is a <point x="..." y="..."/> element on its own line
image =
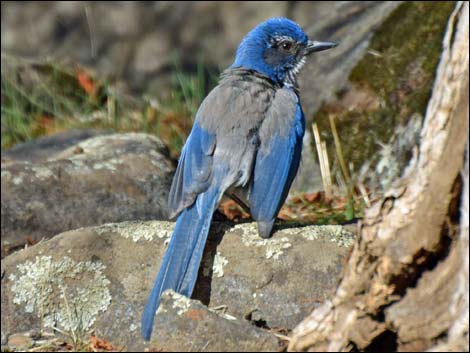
<point x="314" y="46"/>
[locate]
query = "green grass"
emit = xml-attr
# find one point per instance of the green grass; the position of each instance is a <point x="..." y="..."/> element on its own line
<point x="176" y="114"/>
<point x="29" y="102"/>
<point x="43" y="98"/>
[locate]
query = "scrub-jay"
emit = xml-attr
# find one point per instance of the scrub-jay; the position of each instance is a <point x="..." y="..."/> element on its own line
<point x="246" y="142"/>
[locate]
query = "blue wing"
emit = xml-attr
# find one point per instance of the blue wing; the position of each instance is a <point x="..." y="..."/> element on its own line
<point x="193" y="174"/>
<point x="276" y="167"/>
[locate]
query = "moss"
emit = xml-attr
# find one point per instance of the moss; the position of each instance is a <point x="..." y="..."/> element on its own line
<point x="397" y="72"/>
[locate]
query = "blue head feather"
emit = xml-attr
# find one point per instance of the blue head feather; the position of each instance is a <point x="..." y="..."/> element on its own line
<point x="273" y="48"/>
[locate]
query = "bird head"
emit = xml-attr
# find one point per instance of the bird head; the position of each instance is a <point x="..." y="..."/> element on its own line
<point x="277" y="48"/>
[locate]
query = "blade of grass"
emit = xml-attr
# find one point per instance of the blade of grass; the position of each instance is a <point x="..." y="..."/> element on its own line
<point x="316" y="136"/>
<point x="323" y="161"/>
<point x="339" y="150"/>
<point x="324" y="151"/>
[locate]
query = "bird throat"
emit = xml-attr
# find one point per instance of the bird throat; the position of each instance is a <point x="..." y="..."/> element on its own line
<point x="290" y="79"/>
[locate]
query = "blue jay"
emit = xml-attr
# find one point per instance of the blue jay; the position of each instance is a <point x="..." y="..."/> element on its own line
<point x="246" y="143"/>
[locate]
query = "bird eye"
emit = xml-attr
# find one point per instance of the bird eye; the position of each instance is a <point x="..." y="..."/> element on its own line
<point x="286" y="45"/>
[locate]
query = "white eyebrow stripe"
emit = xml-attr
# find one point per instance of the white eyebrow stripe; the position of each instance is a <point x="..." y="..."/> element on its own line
<point x="277" y="39"/>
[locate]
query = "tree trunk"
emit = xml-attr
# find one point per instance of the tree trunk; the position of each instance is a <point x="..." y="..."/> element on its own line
<point x="406" y="286"/>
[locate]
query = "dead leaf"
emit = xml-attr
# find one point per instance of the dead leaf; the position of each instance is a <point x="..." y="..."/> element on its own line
<point x="86" y="82"/>
<point x="100" y="344"/>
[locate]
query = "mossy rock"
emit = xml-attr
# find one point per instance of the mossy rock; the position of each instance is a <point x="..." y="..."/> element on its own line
<point x="390" y="85"/>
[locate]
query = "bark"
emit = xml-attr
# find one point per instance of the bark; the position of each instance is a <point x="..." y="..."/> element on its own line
<point x="405" y="286"/>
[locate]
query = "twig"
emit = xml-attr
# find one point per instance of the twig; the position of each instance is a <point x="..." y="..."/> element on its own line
<point x="89" y="21"/>
<point x="339" y="150"/>
<point x="48" y="344"/>
<point x="365" y="196"/>
<point x="111" y="108"/>
<point x="74" y="337"/>
<point x="328" y="190"/>
<point x="321" y="160"/>
<point x="343" y="187"/>
<point x="282" y="337"/>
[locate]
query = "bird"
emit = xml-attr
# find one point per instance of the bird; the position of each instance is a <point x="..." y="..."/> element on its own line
<point x="245" y="143"/>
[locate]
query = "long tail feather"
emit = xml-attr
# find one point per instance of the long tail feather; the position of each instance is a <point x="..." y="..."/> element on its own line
<point x="180" y="265"/>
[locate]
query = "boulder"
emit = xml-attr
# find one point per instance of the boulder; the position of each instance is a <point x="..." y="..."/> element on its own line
<point x="43" y="148"/>
<point x="57" y="184"/>
<point x="99" y="278"/>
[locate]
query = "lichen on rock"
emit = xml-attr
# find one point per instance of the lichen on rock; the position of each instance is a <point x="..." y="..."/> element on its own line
<point x="179" y="302"/>
<point x="217" y="267"/>
<point x="274" y="246"/>
<point x="63" y="293"/>
<point x="333" y="233"/>
<point x="137" y="230"/>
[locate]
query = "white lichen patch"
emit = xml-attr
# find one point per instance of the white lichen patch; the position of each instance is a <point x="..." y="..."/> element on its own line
<point x="18" y="177"/>
<point x="42" y="172"/>
<point x="138" y="136"/>
<point x="179" y="302"/>
<point x="137" y="230"/>
<point x="17" y="180"/>
<point x="217" y="266"/>
<point x="95" y="143"/>
<point x="5" y="174"/>
<point x="333" y="233"/>
<point x="110" y="164"/>
<point x="63" y="293"/>
<point x="161" y="309"/>
<point x="34" y="205"/>
<point x="274" y="246"/>
<point x="103" y="142"/>
<point x="76" y="164"/>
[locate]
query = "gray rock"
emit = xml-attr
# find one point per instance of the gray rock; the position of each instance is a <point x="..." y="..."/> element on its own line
<point x="274" y="282"/>
<point x="99" y="278"/>
<point x="40" y="149"/>
<point x="20" y="341"/>
<point x="102" y="179"/>
<point x="187" y="325"/>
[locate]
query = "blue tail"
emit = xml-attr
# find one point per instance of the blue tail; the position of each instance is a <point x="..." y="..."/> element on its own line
<point x="180" y="265"/>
